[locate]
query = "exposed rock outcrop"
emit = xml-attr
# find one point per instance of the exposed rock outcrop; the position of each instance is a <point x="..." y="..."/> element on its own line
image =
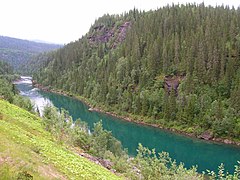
<point x="207" y="135"/>
<point x="172" y="82"/>
<point x="103" y="34"/>
<point x="105" y="163"/>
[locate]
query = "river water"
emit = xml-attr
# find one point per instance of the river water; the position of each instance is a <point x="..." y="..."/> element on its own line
<point x="190" y="151"/>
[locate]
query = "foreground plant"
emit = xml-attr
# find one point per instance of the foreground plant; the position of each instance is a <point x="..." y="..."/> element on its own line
<point x="100" y="143"/>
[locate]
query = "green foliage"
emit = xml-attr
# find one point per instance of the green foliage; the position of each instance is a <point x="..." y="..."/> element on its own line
<point x="58" y="123"/>
<point x="153" y="166"/>
<point x="9" y="93"/>
<point x="80" y="135"/>
<point x="6" y="90"/>
<point x="23" y="102"/>
<point x="26" y="147"/>
<point x="18" y="52"/>
<point x="27" y="150"/>
<point x="5" y="173"/>
<point x="100" y="143"/>
<point x="161" y="166"/>
<point x="97" y="143"/>
<point x="201" y="61"/>
<point x="5" y="68"/>
<point x="103" y="141"/>
<point x="224" y="175"/>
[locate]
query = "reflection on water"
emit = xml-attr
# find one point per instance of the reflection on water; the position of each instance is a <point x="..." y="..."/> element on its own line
<point x="190" y="151"/>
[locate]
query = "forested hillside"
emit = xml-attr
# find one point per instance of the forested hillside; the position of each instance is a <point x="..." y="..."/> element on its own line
<point x="178" y="67"/>
<point x="8" y="91"/>
<point x="52" y="147"/>
<point x="5" y="69"/>
<point x="17" y="51"/>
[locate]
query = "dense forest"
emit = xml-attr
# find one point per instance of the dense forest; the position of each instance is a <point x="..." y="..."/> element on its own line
<point x="56" y="147"/>
<point x="5" y="69"/>
<point x="18" y="52"/>
<point x="8" y="91"/>
<point x="178" y="67"/>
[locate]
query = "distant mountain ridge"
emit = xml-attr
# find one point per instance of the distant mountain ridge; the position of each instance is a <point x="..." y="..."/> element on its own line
<point x="17" y="51"/>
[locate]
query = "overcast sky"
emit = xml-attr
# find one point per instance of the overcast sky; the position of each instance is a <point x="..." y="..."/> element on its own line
<point x="63" y="21"/>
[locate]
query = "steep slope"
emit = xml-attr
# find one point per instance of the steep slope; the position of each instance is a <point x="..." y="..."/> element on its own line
<point x="107" y="33"/>
<point x="17" y="51"/>
<point x="177" y="67"/>
<point x="28" y="151"/>
<point x="111" y="33"/>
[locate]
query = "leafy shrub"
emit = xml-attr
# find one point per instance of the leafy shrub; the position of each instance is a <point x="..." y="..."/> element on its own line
<point x="103" y="141"/>
<point x="146" y="165"/>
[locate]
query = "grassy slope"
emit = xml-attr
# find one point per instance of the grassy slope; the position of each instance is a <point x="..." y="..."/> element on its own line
<point x="25" y="147"/>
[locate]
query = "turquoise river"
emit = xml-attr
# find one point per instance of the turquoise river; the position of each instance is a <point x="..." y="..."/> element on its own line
<point x="190" y="151"/>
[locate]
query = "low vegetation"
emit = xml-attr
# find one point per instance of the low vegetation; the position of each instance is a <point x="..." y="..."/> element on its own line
<point x="55" y="147"/>
<point x="101" y="144"/>
<point x="28" y="151"/>
<point x="52" y="147"/>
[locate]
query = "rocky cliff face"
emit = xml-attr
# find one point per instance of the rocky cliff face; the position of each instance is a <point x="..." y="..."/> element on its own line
<point x="114" y="34"/>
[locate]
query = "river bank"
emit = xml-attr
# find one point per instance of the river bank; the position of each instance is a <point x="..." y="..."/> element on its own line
<point x="206" y="135"/>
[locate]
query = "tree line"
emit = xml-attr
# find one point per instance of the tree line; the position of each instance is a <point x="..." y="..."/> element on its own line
<point x="8" y="91"/>
<point x="194" y="48"/>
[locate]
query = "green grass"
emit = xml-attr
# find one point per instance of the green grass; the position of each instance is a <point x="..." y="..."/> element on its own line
<point x="26" y="149"/>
